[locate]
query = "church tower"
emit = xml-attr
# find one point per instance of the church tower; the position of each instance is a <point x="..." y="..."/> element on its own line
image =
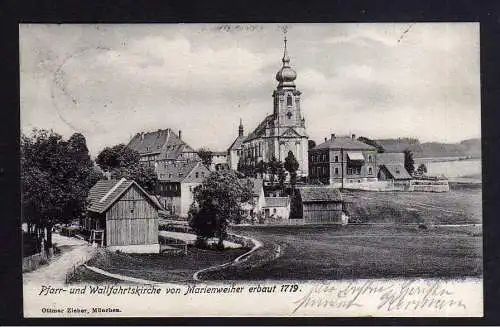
<point x="286" y="96"/>
<point x="284" y="130"/>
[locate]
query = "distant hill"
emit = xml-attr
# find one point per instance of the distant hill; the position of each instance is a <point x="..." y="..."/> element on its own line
<point x="466" y="148"/>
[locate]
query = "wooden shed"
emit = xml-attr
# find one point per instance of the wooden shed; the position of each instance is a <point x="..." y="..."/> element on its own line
<point x="318" y="205"/>
<point x="124" y="215"/>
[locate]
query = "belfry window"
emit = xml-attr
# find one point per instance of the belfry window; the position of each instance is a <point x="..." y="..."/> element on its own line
<point x="289" y="101"/>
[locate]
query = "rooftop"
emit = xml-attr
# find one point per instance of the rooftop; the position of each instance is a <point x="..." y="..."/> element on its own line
<point x="177" y="172"/>
<point x="320" y="194"/>
<point x="346" y="143"/>
<point x="106" y="192"/>
<point x="277" y="201"/>
<point x="398" y="171"/>
<point x="163" y="141"/>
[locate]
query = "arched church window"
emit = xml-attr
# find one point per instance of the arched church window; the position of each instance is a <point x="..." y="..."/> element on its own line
<point x="289" y="101"/>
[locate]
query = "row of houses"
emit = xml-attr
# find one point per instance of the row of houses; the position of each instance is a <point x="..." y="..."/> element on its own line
<point x="338" y="161"/>
<point x="122" y="216"/>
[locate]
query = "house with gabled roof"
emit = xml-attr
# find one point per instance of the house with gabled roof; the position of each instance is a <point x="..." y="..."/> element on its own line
<point x="121" y="215"/>
<point x="176" y="182"/>
<point x="277" y="208"/>
<point x="162" y="145"/>
<point x="391" y="166"/>
<point x="252" y="210"/>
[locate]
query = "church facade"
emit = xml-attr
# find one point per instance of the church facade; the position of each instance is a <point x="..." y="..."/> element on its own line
<point x="282" y="131"/>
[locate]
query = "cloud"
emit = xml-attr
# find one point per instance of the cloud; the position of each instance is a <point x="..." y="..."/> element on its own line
<point x="112" y="81"/>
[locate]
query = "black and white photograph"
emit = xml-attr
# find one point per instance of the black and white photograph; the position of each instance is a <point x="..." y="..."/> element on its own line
<point x="237" y="170"/>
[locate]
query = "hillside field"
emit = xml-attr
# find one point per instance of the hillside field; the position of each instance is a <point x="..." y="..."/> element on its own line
<point x="459" y="206"/>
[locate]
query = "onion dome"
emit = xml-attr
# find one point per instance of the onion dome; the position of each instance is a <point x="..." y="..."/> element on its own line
<point x="286" y="75"/>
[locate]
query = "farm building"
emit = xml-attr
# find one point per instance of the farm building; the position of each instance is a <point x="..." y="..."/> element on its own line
<point x="317" y="205"/>
<point x="277" y="208"/>
<point x="391" y="166"/>
<point x="121" y="215"/>
<point x="251" y="210"/>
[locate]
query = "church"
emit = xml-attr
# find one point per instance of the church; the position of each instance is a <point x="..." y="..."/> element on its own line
<point x="282" y="131"/>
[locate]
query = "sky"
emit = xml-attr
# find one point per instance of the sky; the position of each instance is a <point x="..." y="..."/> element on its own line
<point x="377" y="80"/>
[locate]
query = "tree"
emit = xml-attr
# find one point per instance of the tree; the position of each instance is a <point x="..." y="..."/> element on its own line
<point x="206" y="156"/>
<point x="311" y="144"/>
<point x="281" y="176"/>
<point x="56" y="176"/>
<point x="203" y="222"/>
<point x="217" y="203"/>
<point x="272" y="167"/>
<point x="146" y="177"/>
<point x="117" y="156"/>
<point x="409" y="162"/>
<point x="379" y="147"/>
<point x="123" y="162"/>
<point x="261" y="168"/>
<point x="291" y="165"/>
<point x="422" y="169"/>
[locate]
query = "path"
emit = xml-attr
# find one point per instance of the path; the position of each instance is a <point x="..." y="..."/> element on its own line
<point x="73" y="252"/>
<point x="191" y="238"/>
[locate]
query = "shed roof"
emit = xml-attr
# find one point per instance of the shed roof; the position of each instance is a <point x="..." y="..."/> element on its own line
<point x="106" y="192"/>
<point x="346" y="143"/>
<point x="277" y="201"/>
<point x="397" y="171"/>
<point x="320" y="194"/>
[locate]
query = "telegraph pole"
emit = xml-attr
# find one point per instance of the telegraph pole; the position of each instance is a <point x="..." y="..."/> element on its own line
<point x="342" y="164"/>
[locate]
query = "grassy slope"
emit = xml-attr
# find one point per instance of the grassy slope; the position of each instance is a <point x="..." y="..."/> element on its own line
<point x="335" y="252"/>
<point x="163" y="267"/>
<point x="456" y="207"/>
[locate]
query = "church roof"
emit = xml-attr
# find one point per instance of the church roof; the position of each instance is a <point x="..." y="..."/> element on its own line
<point x="345" y="143"/>
<point x="261" y="129"/>
<point x="237" y="143"/>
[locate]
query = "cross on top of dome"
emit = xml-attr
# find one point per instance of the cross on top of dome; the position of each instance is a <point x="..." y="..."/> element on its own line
<point x="286" y="75"/>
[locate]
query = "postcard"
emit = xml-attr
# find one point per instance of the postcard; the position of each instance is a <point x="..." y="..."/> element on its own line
<point x="251" y="170"/>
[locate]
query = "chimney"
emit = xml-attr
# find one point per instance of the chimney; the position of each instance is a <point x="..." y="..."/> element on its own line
<point x="353" y="136"/>
<point x="142" y="136"/>
<point x="332" y="136"/>
<point x="180" y="134"/>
